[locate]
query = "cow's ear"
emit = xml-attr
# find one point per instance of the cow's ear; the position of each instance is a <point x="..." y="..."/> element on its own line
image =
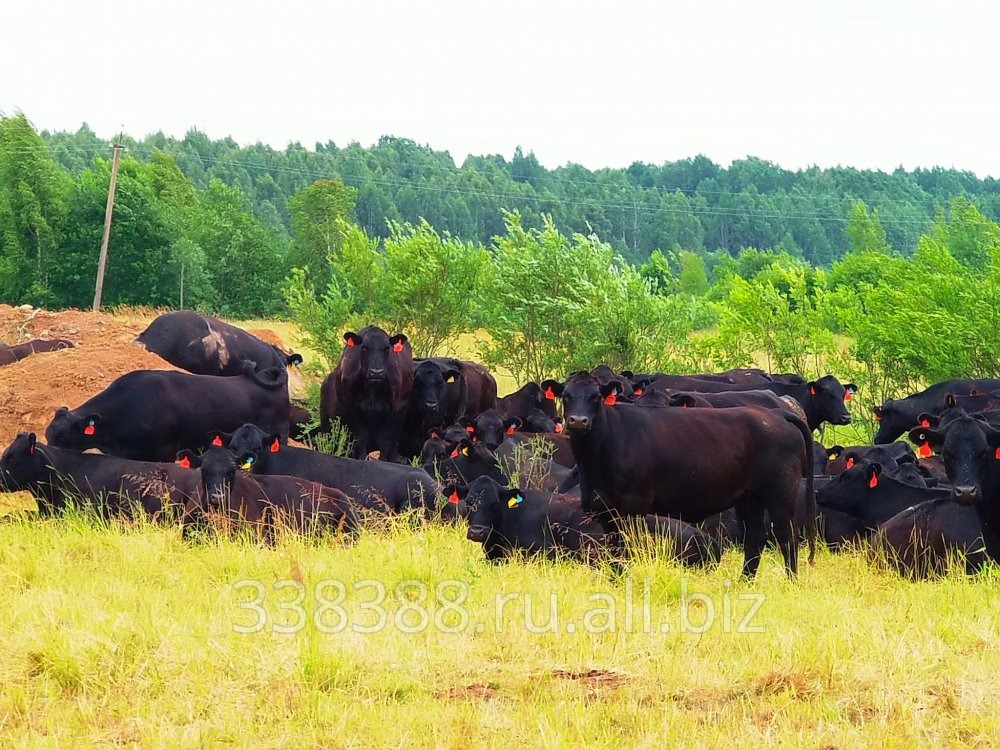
<point x="433" y="434"/>
<point x="32" y="440"/>
<point x="610" y="393"/>
<point x="640" y="387"/>
<point x="188" y="459"/>
<point x="514" y="498"/>
<point x="683" y="399"/>
<point x="812" y="387"/>
<point x="462" y="448"/>
<point x="877" y="411"/>
<point x="351" y="338"/>
<point x="218" y="439"/>
<point x="834" y="453"/>
<point x="627" y="374"/>
<point x="849" y="391"/>
<point x="993" y="440"/>
<point x="873" y="473"/>
<point x="928" y="420"/>
<point x="455" y="493"/>
<point x="295" y="359"/>
<point x="551" y="389"/>
<point x="451" y="375"/>
<point x="927" y="439"/>
<point x="398" y="341"/>
<point x="90" y="424"/>
<point x="468" y="423"/>
<point x="510" y="426"/>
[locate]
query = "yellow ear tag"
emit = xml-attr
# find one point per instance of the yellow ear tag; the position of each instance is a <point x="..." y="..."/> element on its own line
<point x="451" y="379"/>
<point x="248" y="464"/>
<point x="515" y="501"/>
<point x="465" y="450"/>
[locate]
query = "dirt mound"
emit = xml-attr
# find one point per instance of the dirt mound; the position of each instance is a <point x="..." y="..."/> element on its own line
<point x="32" y="389"/>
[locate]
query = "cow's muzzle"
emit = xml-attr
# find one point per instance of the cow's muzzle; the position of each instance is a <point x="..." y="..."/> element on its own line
<point x="478" y="533"/>
<point x="965" y="494"/>
<point x="577" y="424"/>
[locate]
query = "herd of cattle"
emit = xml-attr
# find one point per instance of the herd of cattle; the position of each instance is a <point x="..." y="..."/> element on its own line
<point x="706" y="461"/>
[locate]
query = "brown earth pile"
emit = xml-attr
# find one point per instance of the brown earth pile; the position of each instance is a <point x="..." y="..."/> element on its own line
<point x="32" y="389"/>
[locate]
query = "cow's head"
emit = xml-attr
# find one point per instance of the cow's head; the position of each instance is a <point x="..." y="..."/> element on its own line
<point x="970" y="450"/>
<point x="893" y="421"/>
<point x="429" y="381"/>
<point x="490" y="428"/>
<point x="249" y="441"/>
<point x="827" y="401"/>
<point x="849" y="491"/>
<point x="21" y="464"/>
<point x="486" y="502"/>
<point x="71" y="430"/>
<point x="376" y="348"/>
<point x="218" y="473"/>
<point x="584" y="400"/>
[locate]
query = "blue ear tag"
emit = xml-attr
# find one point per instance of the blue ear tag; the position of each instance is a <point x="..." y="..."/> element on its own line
<point x="515" y="501"/>
<point x="248" y="464"/>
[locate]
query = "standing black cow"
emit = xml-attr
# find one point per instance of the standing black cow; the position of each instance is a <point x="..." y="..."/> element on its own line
<point x="209" y="346"/>
<point x="438" y="398"/>
<point x="149" y="415"/>
<point x="370" y="390"/>
<point x="690" y="463"/>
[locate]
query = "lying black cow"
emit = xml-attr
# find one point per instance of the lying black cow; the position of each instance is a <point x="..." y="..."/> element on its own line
<point x="896" y="417"/>
<point x="264" y="503"/>
<point x="438" y="398"/>
<point x="922" y="540"/>
<point x="11" y="354"/>
<point x="890" y="455"/>
<point x="149" y="415"/>
<point x="690" y="462"/>
<point x="528" y="397"/>
<point x="114" y="486"/>
<point x="209" y="346"/>
<point x="872" y="495"/>
<point x="369" y="391"/>
<point x="391" y="488"/>
<point x="505" y="520"/>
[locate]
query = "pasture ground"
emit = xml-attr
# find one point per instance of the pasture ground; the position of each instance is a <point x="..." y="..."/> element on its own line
<point x="128" y="636"/>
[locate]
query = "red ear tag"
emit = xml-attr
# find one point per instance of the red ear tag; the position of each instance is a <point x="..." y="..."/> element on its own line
<point x="397" y="347"/>
<point x="925" y="450"/>
<point x="847" y="395"/>
<point x="878" y="417"/>
<point x="31" y="450"/>
<point x="874" y="481"/>
<point x="275" y="446"/>
<point x="184" y="462"/>
<point x="995" y="455"/>
<point x="638" y="391"/>
<point x="812" y="391"/>
<point x="454" y="453"/>
<point x="350" y="342"/>
<point x="89" y="429"/>
<point x="549" y="394"/>
<point x="217" y="441"/>
<point x="611" y="399"/>
<point x="510" y="430"/>
<point x="475" y="439"/>
<point x="559" y="428"/>
<point x="850" y="463"/>
<point x="925" y="423"/>
<point x="453" y="497"/>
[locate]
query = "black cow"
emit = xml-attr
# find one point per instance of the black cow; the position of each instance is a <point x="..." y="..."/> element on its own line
<point x="896" y="417"/>
<point x="481" y="387"/>
<point x="872" y="495"/>
<point x="890" y="455"/>
<point x="438" y="398"/>
<point x="209" y="346"/>
<point x="970" y="449"/>
<point x="376" y="485"/>
<point x="605" y="375"/>
<point x="370" y="390"/>
<point x="528" y="397"/>
<point x="264" y="503"/>
<point x="922" y="540"/>
<point x="491" y="427"/>
<point x="727" y="399"/>
<point x="689" y="462"/>
<point x="149" y="415"/>
<point x="115" y="486"/>
<point x="16" y="352"/>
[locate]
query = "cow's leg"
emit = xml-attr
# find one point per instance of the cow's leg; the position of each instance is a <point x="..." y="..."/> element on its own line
<point x="751" y="517"/>
<point x="786" y="533"/>
<point x="361" y="440"/>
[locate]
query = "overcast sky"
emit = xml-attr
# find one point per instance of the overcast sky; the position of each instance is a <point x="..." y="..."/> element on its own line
<point x="872" y="84"/>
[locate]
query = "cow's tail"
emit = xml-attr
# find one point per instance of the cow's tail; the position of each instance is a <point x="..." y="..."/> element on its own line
<point x="807" y="437"/>
<point x="271" y="377"/>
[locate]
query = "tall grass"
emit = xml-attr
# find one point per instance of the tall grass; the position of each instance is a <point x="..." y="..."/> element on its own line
<point x="124" y="634"/>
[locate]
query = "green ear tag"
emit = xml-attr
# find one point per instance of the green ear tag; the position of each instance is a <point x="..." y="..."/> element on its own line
<point x="515" y="501"/>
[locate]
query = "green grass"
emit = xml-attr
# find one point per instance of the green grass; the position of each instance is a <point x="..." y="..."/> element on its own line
<point x="125" y="635"/>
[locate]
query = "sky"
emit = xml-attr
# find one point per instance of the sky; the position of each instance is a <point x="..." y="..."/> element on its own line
<point x="875" y="84"/>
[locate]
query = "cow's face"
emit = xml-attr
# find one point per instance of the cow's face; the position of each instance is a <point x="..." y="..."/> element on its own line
<point x="375" y="348"/>
<point x="828" y="398"/>
<point x="891" y="422"/>
<point x="485" y="503"/>
<point x="70" y="430"/>
<point x="218" y="472"/>
<point x="247" y="439"/>
<point x="970" y="451"/>
<point x="490" y="428"/>
<point x="21" y="463"/>
<point x="429" y="381"/>
<point x="583" y="399"/>
<point x="849" y="491"/>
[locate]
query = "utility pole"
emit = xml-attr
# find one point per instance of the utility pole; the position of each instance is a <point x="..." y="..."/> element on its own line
<point x="107" y="226"/>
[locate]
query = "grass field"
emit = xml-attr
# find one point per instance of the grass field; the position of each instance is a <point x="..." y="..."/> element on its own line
<point x="128" y="636"/>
